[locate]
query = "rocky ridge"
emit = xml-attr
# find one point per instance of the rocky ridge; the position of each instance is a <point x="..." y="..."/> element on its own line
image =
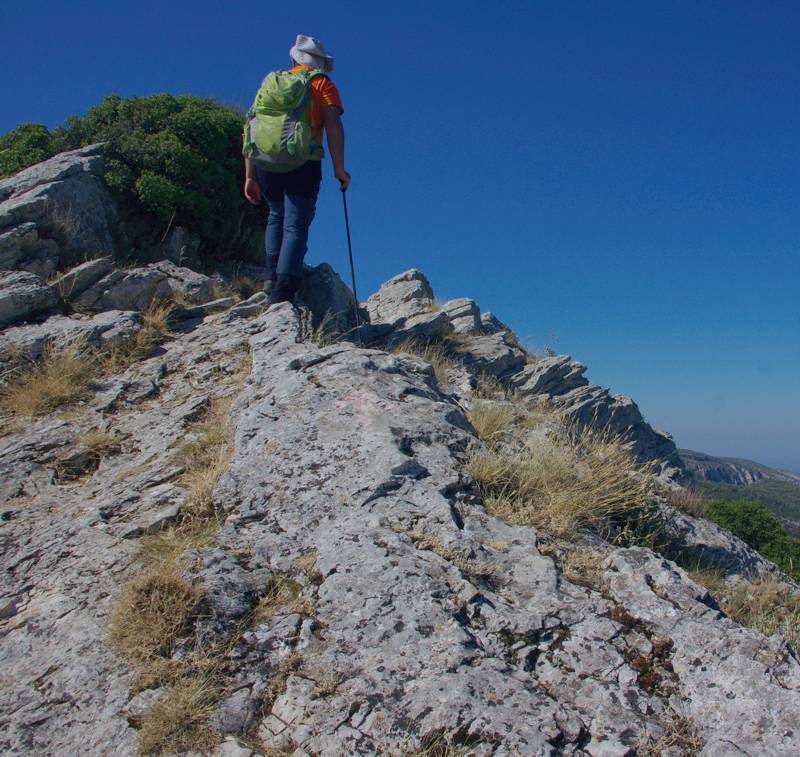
<point x="730" y="470"/>
<point x="425" y="622"/>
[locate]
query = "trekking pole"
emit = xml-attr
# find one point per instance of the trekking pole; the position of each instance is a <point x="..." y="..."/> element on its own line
<point x="352" y="267"/>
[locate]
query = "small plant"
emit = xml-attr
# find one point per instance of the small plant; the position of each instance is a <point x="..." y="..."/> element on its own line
<point x="63" y="377"/>
<point x="167" y="545"/>
<point x="679" y="737"/>
<point x="62" y="226"/>
<point x="489" y="388"/>
<point x="326" y="331"/>
<point x="470" y="567"/>
<point x="283" y="592"/>
<point x="245" y="286"/>
<point x="584" y="566"/>
<point x="277" y="685"/>
<point x="181" y="298"/>
<point x="327" y="683"/>
<point x="431" y="745"/>
<point x="306" y="566"/>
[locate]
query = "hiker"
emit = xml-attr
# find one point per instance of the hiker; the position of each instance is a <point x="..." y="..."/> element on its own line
<point x="283" y="157"/>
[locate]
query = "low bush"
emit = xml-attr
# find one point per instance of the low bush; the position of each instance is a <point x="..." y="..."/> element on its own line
<point x="759" y="528"/>
<point x="170" y="160"/>
<point x="23" y="146"/>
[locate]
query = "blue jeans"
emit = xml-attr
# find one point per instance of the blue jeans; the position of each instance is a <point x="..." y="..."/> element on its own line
<point x="292" y="201"/>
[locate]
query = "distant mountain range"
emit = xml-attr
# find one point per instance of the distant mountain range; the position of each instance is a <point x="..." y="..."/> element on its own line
<point x="732" y="470"/>
<point x="732" y="479"/>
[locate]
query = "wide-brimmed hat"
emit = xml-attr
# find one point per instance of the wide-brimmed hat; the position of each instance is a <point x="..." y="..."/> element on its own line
<point x="308" y="51"/>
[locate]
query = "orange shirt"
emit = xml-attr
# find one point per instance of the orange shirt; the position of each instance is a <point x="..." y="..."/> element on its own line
<point x="323" y="92"/>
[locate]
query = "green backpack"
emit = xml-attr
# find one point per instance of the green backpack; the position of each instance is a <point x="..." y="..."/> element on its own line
<point x="277" y="132"/>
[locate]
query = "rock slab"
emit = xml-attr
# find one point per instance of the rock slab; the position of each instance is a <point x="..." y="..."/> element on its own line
<point x="22" y="296"/>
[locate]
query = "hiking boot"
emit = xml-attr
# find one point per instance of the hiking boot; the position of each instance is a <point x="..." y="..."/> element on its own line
<point x="285" y="289"/>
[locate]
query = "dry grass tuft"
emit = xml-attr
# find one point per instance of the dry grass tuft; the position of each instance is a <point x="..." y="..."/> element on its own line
<point x="12" y="425"/>
<point x="687" y="501"/>
<point x="241" y="287"/>
<point x="179" y="722"/>
<point x="327" y="683"/>
<point x="205" y="460"/>
<point x="307" y="566"/>
<point x="283" y="594"/>
<point x="155" y="329"/>
<point x="766" y="604"/>
<point x="490" y="388"/>
<point x="435" y="353"/>
<point x="65" y="373"/>
<point x="679" y="736"/>
<point x="167" y="545"/>
<point x="491" y="419"/>
<point x="100" y="443"/>
<point x="431" y="746"/>
<point x="561" y="484"/>
<point x="62" y="378"/>
<point x="583" y="566"/>
<point x="181" y="298"/>
<point x="327" y="331"/>
<point x="160" y="606"/>
<point x="152" y="612"/>
<point x="62" y="225"/>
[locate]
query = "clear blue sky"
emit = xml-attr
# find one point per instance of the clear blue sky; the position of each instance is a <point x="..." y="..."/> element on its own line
<point x="620" y="180"/>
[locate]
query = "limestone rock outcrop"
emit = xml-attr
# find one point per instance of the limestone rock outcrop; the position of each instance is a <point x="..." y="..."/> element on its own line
<point x="22" y="296"/>
<point x="65" y="200"/>
<point x="102" y="331"/>
<point x="349" y="589"/>
<point x="425" y="620"/>
<point x="403" y="296"/>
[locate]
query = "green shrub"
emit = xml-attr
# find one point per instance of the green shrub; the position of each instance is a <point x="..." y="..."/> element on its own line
<point x="781" y="498"/>
<point x="759" y="528"/>
<point x="24" y="146"/>
<point x="170" y="161"/>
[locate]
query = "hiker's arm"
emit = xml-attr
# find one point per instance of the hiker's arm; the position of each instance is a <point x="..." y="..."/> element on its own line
<point x="335" y="131"/>
<point x="251" y="188"/>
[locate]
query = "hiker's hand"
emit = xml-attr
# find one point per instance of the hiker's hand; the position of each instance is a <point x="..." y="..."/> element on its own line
<point x="343" y="177"/>
<point x="252" y="191"/>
